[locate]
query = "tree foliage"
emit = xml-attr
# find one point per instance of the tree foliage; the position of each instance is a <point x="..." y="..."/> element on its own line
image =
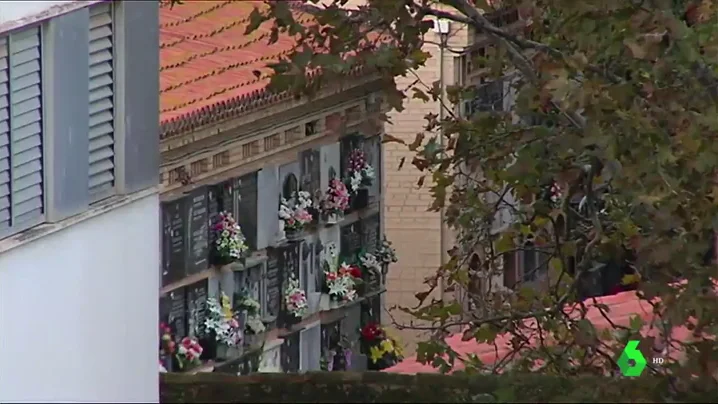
<point x="606" y="158"/>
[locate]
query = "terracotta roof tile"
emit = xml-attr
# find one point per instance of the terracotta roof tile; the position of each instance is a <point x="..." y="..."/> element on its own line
<point x="622" y="307"/>
<point x="207" y="63"/>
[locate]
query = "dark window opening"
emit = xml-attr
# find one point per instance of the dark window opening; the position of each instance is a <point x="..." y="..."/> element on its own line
<point x="290" y="187"/>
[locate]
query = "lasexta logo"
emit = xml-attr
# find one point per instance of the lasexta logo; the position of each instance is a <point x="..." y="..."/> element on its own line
<point x="631" y="353"/>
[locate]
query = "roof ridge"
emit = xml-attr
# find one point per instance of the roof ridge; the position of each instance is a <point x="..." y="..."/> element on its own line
<point x="223" y="69"/>
<point x="214" y="94"/>
<point x="195" y="15"/>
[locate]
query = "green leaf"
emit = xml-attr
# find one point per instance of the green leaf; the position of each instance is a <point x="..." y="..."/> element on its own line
<point x="256" y="18"/>
<point x="636" y="323"/>
<point x="505" y="243"/>
<point x="418" y="94"/>
<point x="486" y="334"/>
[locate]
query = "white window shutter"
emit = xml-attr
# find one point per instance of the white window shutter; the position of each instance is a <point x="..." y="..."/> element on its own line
<point x="4" y="137"/>
<point x="102" y="114"/>
<point x="25" y="96"/>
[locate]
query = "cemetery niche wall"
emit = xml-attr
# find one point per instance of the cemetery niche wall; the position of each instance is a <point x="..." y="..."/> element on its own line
<point x="256" y="286"/>
<point x="224" y="298"/>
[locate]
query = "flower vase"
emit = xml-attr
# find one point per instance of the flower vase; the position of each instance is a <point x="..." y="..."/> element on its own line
<point x="209" y="346"/>
<point x="314" y="302"/>
<point x="242" y="318"/>
<point x="293" y="234"/>
<point x="362" y="287"/>
<point x="250" y="339"/>
<point x="226" y="352"/>
<point x="334" y="218"/>
<point x="219" y="260"/>
<point x="386" y="361"/>
<point x="168" y="362"/>
<point x="291" y="320"/>
<point x="334" y="302"/>
<point x="360" y="199"/>
<point x="281" y="233"/>
<point x="324" y="302"/>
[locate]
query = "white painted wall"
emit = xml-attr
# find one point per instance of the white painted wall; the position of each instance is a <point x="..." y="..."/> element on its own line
<point x="15" y="10"/>
<point x="78" y="317"/>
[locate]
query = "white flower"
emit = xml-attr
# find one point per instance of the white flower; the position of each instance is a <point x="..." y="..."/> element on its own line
<point x="355" y="181"/>
<point x="369" y="172"/>
<point x="369" y="261"/>
<point x="350" y="295"/>
<point x="255" y="324"/>
<point x="339" y="285"/>
<point x="220" y="324"/>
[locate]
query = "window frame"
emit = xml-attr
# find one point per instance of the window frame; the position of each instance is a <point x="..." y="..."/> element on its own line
<point x="116" y="134"/>
<point x="13" y="229"/>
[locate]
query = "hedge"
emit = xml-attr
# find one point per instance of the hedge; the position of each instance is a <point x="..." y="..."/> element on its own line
<point x="377" y="387"/>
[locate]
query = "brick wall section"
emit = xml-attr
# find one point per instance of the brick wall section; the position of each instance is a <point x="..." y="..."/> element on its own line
<point x="414" y="231"/>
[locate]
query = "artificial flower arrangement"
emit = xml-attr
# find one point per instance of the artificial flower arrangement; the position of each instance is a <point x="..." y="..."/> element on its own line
<point x="221" y="322"/>
<point x="188" y="353"/>
<point x="383" y="350"/>
<point x="296" y="216"/>
<point x="338" y="358"/>
<point x="229" y="243"/>
<point x="338" y="280"/>
<point x="167" y="346"/>
<point x="555" y="193"/>
<point x="371" y="266"/>
<point x="335" y="201"/>
<point x="386" y="254"/>
<point x="295" y="299"/>
<point x="254" y="324"/>
<point x="341" y="280"/>
<point x="360" y="173"/>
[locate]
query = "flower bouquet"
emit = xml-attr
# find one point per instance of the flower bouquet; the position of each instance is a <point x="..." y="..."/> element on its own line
<point x="221" y="325"/>
<point x="295" y="216"/>
<point x="360" y="173"/>
<point x="335" y="201"/>
<point x="341" y="282"/>
<point x="386" y="254"/>
<point x="188" y="354"/>
<point x="295" y="300"/>
<point x="338" y="358"/>
<point x="254" y="324"/>
<point x="167" y="346"/>
<point x="382" y="349"/>
<point x="229" y="242"/>
<point x="371" y="268"/>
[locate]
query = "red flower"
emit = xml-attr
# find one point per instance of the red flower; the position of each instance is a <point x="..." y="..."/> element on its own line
<point x="371" y="331"/>
<point x="355" y="271"/>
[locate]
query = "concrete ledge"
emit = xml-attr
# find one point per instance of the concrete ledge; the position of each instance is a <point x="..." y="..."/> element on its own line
<point x="97" y="209"/>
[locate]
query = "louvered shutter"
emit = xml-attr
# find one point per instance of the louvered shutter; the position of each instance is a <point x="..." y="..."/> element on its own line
<point x="102" y="150"/>
<point x="25" y="127"/>
<point x="4" y="137"/>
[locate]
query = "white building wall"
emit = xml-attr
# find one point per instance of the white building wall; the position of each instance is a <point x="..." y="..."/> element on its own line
<point x="78" y="317"/>
<point x="15" y="10"/>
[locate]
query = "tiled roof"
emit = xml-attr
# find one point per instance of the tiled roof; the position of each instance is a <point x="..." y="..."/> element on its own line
<point x="622" y="307"/>
<point x="208" y="64"/>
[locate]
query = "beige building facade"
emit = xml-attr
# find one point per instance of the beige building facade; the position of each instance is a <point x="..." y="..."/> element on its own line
<point x="415" y="231"/>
